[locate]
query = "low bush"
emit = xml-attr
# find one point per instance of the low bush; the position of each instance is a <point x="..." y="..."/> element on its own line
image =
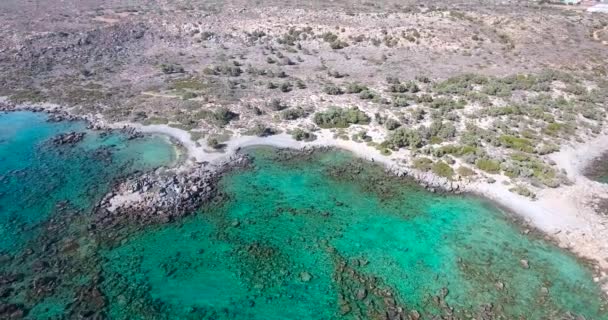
<point x="302" y="135"/>
<point x="340" y="117"/>
<point x="294" y="113"/>
<point x="488" y="165"/>
<point x="465" y="171"/>
<point x="171" y="68"/>
<point x="442" y="169"/>
<point x="332" y="90"/>
<point x="422" y="163"/>
<point x="403" y="137"/>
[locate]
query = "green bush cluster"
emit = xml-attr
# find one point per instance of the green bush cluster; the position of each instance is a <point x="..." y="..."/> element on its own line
<point x="403" y="87"/>
<point x="423" y="163"/>
<point x="226" y="70"/>
<point x="302" y="135"/>
<point x="516" y="143"/>
<point x="442" y="169"/>
<point x="261" y="130"/>
<point x="529" y="166"/>
<point x="488" y="165"/>
<point x="340" y="117"/>
<point x="332" y="90"/>
<point x="454" y="149"/>
<point x="403" y="137"/>
<point x="171" y="68"/>
<point x="355" y="87"/>
<point x="294" y="113"/>
<point x="465" y="171"/>
<point x="442" y="129"/>
<point x="523" y="191"/>
<point x="293" y="35"/>
<point x="223" y="116"/>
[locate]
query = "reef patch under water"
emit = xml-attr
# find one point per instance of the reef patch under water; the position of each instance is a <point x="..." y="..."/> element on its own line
<point x="328" y="236"/>
<point x="319" y="235"/>
<point x="52" y="174"/>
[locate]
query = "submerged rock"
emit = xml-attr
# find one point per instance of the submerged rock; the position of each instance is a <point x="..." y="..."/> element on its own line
<point x="68" y="138"/>
<point x="305" y="276"/>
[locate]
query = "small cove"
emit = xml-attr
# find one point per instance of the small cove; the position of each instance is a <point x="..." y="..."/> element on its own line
<point x="297" y="236"/>
<point x="331" y="236"/>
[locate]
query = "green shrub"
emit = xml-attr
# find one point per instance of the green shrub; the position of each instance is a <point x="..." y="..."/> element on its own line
<point x="214" y="143"/>
<point x="488" y="165"/>
<point x="399" y="101"/>
<point x="520" y="144"/>
<point x="355" y="88"/>
<point x="286" y="87"/>
<point x="522" y="190"/>
<point x="422" y="163"/>
<point x="226" y="70"/>
<point x="465" y="171"/>
<point x="338" y="44"/>
<point x="442" y="169"/>
<point x="391" y="124"/>
<point x="294" y="113"/>
<point x="302" y="135"/>
<point x="340" y="118"/>
<point x="410" y="86"/>
<point x="459" y="84"/>
<point x="223" y="116"/>
<point x="454" y="149"/>
<point x="171" y="68"/>
<point x="332" y="90"/>
<point x="329" y="37"/>
<point x="366" y="95"/>
<point x="261" y="130"/>
<point x="276" y="105"/>
<point x="403" y="137"/>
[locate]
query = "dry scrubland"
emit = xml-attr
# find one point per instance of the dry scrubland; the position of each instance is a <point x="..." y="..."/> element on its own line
<point x="480" y="92"/>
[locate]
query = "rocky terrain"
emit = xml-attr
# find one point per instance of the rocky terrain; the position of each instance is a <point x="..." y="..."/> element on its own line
<point x="163" y="196"/>
<point x="494" y="97"/>
<point x="488" y="88"/>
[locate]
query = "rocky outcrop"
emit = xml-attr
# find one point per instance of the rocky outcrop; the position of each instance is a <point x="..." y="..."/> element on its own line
<point x="161" y="197"/>
<point x="69" y="138"/>
<point x="428" y="180"/>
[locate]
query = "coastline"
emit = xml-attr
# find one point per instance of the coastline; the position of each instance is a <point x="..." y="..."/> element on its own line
<point x="565" y="214"/>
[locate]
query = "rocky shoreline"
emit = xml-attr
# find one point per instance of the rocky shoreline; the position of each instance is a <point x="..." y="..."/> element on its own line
<point x="163" y="196"/>
<point x="575" y="241"/>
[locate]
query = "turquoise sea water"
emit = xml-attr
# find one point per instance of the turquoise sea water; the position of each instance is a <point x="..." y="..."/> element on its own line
<point x="36" y="175"/>
<point x="331" y="237"/>
<point x="321" y="236"/>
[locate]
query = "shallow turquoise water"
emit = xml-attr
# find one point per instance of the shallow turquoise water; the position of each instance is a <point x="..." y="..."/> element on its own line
<point x="331" y="237"/>
<point x="324" y="236"/>
<point x="36" y="176"/>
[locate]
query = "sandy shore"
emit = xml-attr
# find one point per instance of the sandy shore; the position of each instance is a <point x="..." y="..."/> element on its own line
<point x="563" y="213"/>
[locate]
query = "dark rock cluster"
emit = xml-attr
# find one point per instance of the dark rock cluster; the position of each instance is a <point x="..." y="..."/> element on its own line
<point x="69" y="138"/>
<point x="163" y="198"/>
